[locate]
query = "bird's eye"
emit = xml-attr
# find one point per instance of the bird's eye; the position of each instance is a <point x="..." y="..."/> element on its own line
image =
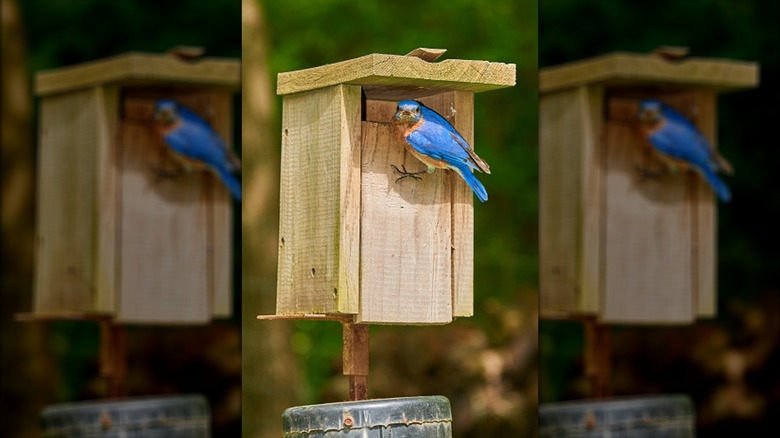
<point x="417" y="110"/>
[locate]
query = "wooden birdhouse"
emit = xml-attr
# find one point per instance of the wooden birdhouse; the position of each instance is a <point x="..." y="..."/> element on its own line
<point x="615" y="244"/>
<point x="352" y="240"/>
<point x="121" y="230"/>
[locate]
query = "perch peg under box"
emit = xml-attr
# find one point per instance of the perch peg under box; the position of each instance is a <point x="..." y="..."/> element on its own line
<point x="352" y="240"/>
<point x="613" y="243"/>
<point x="118" y="233"/>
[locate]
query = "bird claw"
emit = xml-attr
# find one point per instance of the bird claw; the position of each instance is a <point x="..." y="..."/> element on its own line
<point x="405" y="173"/>
<point x="161" y="173"/>
<point x="647" y="173"/>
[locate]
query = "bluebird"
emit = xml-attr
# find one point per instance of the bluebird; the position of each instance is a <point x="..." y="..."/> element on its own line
<point x="674" y="136"/>
<point x="433" y="141"/>
<point x="191" y="137"/>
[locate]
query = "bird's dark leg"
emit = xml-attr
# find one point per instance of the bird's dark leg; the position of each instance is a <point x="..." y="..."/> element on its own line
<point x="650" y="173"/>
<point x="405" y="173"/>
<point x="161" y="173"/>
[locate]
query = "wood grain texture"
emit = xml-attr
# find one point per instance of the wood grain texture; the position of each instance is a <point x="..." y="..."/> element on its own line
<point x="705" y="211"/>
<point x="220" y="249"/>
<point x="320" y="202"/>
<point x="137" y="69"/>
<point x="463" y="213"/>
<point x="648" y="265"/>
<point x="590" y="253"/>
<point x="163" y="232"/>
<point x="646" y="69"/>
<point x="381" y="148"/>
<point x="106" y="256"/>
<point x="405" y="244"/>
<point x="394" y="77"/>
<point x="67" y="195"/>
<point x="571" y="201"/>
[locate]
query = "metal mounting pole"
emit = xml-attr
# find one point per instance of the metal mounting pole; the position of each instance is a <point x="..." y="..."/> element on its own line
<point x="598" y="352"/>
<point x="113" y="357"/>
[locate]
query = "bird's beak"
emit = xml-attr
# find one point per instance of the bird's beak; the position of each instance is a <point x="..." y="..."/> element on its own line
<point x="403" y="115"/>
<point x="163" y="116"/>
<point x="647" y="116"/>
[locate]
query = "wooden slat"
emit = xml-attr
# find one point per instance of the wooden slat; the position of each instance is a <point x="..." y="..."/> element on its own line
<point x="107" y="173"/>
<point x="648" y="231"/>
<point x="391" y="77"/>
<point x="462" y="210"/>
<point x="66" y="203"/>
<point x="139" y="68"/>
<point x="221" y="239"/>
<point x="405" y="243"/>
<point x="320" y="202"/>
<point x="164" y="252"/>
<point x="457" y="107"/>
<point x="705" y="211"/>
<point x="590" y="250"/>
<point x="562" y="131"/>
<point x="644" y="69"/>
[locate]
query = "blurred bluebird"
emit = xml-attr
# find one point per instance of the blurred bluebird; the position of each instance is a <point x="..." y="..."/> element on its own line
<point x="432" y="140"/>
<point x="192" y="138"/>
<point x="683" y="146"/>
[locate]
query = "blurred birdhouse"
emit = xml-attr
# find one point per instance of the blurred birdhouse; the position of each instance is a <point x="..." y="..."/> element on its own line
<point x="614" y="243"/>
<point x="121" y="230"/>
<point x="352" y="240"/>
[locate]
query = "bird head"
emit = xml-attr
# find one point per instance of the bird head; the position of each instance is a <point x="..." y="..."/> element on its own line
<point x="649" y="111"/>
<point x="408" y="111"/>
<point x="165" y="111"/>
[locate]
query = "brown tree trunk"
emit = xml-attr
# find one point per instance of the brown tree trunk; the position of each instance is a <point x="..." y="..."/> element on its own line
<point x="28" y="377"/>
<point x="269" y="369"/>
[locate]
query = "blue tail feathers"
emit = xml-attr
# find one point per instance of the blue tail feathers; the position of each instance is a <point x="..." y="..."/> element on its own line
<point x="232" y="184"/>
<point x="718" y="186"/>
<point x="473" y="182"/>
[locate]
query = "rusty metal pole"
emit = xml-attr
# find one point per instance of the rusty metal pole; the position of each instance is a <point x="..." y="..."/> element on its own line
<point x="355" y="358"/>
<point x="113" y="357"/>
<point x="598" y="353"/>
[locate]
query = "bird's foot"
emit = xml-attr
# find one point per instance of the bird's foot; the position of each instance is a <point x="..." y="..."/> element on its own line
<point x="406" y="174"/>
<point x="161" y="173"/>
<point x="648" y="173"/>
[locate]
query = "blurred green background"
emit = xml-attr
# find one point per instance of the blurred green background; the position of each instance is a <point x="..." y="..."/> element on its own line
<point x="728" y="365"/>
<point x="485" y="365"/>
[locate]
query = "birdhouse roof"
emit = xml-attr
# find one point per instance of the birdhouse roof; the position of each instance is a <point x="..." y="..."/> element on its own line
<point x="390" y="77"/>
<point x="142" y="69"/>
<point x="629" y="69"/>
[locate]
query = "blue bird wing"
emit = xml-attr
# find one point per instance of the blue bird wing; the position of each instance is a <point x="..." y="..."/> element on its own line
<point x="201" y="143"/>
<point x="680" y="140"/>
<point x="430" y="115"/>
<point x="675" y="116"/>
<point x="195" y="122"/>
<point x="437" y="142"/>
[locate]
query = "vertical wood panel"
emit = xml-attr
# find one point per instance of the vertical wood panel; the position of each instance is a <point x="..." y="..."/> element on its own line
<point x="221" y="230"/>
<point x="705" y="210"/>
<point x="561" y="134"/>
<point x="405" y="236"/>
<point x="106" y="273"/>
<point x="648" y="231"/>
<point x="590" y="244"/>
<point x="463" y="213"/>
<point x="320" y="202"/>
<point x="66" y="203"/>
<point x="164" y="247"/>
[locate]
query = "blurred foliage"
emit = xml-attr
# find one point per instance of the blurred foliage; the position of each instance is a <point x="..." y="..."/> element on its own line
<point x="748" y="256"/>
